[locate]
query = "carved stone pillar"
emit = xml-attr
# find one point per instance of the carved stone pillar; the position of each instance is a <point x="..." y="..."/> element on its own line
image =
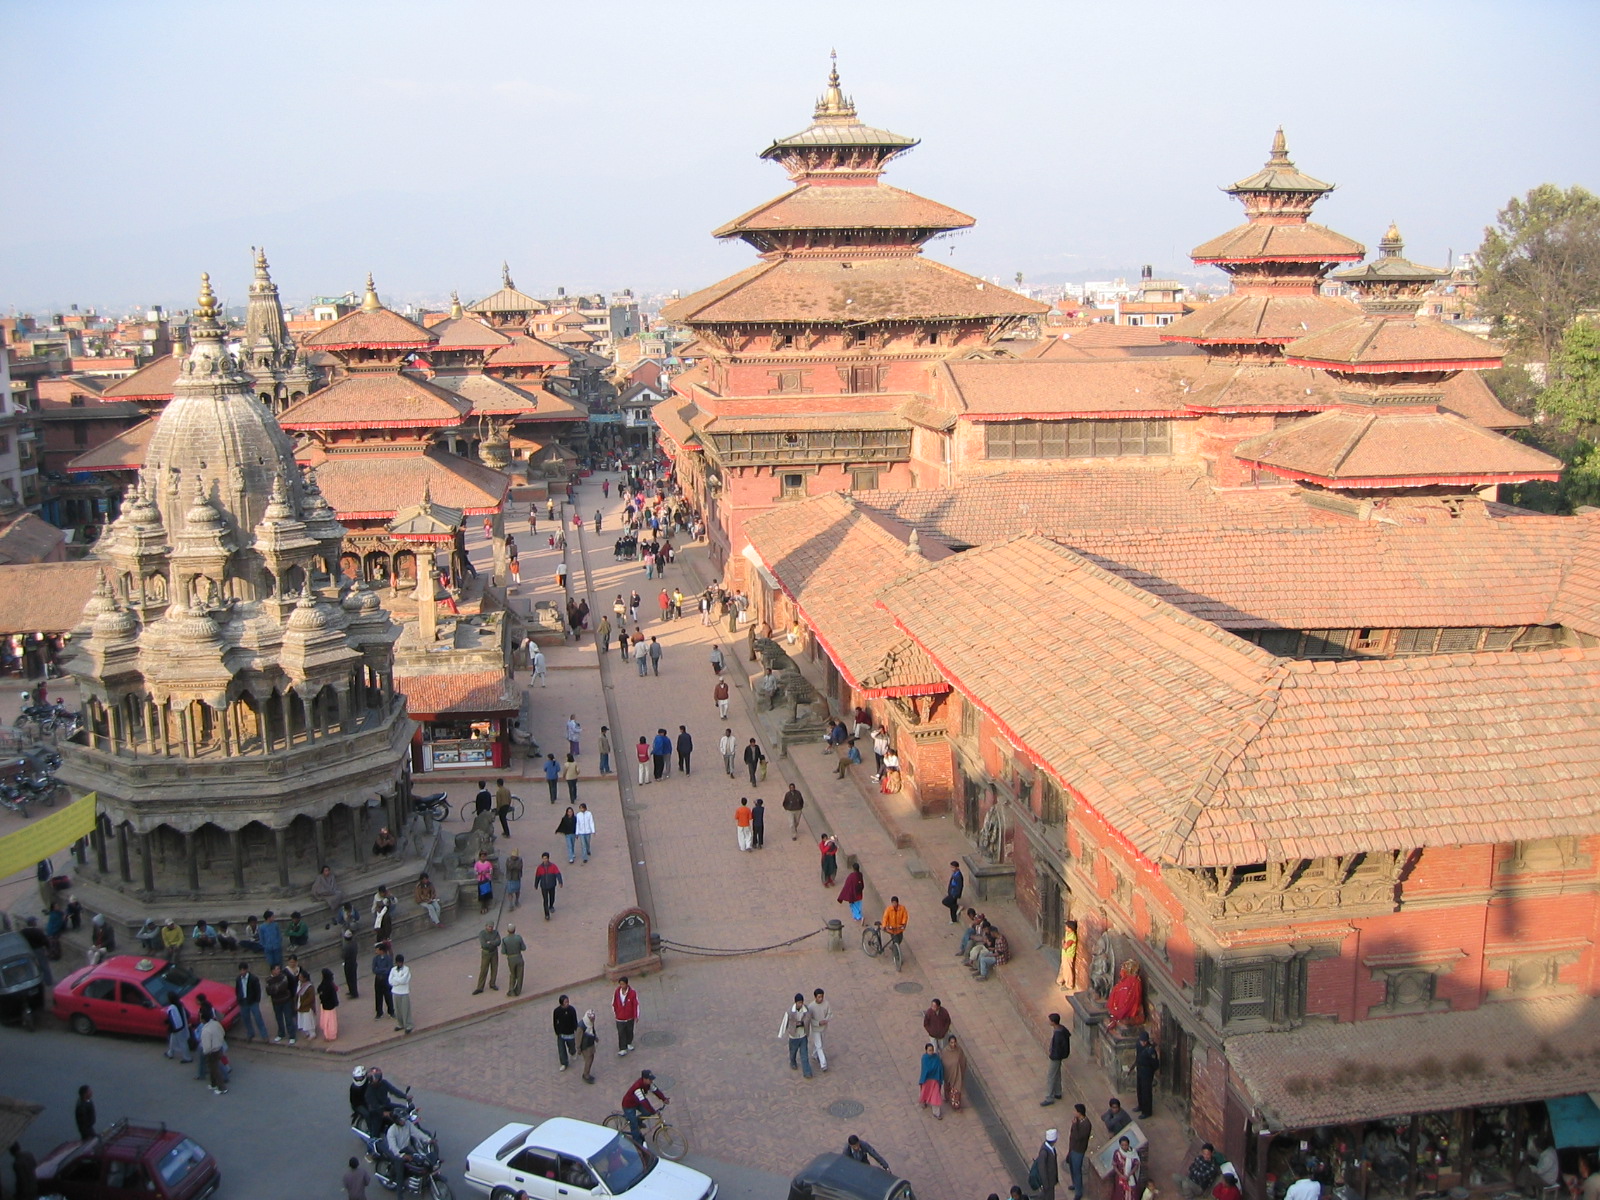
<point x="357" y="846"/>
<point x="124" y="866"/>
<point x="191" y="856"/>
<point x="281" y="845"/>
<point x="236" y="836"/>
<point x="320" y="837"/>
<point x="147" y="856"/>
<point x="98" y="839"/>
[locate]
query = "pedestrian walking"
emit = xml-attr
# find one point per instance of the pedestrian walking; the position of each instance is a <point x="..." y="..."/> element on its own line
<point x="355" y="1180"/>
<point x="625" y="1009"/>
<point x="382" y="968"/>
<point x="1146" y="1061"/>
<point x="853" y="890"/>
<point x="565" y="1022"/>
<point x="717" y="661"/>
<point x="569" y="772"/>
<point x="502" y="806"/>
<point x="643" y="752"/>
<point x="728" y="747"/>
<point x="213" y="1045"/>
<point x="280" y="991"/>
<point x="758" y="823"/>
<point x="537" y="664"/>
<point x="247" y="990"/>
<point x="685" y="748"/>
<point x="588" y="1039"/>
<point x="328" y="1006"/>
<point x="1046" y="1170"/>
<point x="820" y="1013"/>
<point x="794" y="804"/>
<point x="547" y="878"/>
<point x="655" y="656"/>
<point x="602" y="634"/>
<point x="483" y="800"/>
<point x="742" y="816"/>
<point x="1059" y="1051"/>
<point x="567" y="827"/>
<point x="513" y="946"/>
<point x="483" y="870"/>
<point x="720" y="695"/>
<point x="584" y="820"/>
<point x="83" y="1114"/>
<point x="880" y="747"/>
<point x="796" y="1028"/>
<point x="641" y="656"/>
<point x="605" y="750"/>
<point x="513" y="870"/>
<point x="400" y="986"/>
<point x="488" y="958"/>
<point x="954" y="1058"/>
<point x="660" y="753"/>
<point x="1078" y="1135"/>
<point x="552" y="775"/>
<point x="936" y="1022"/>
<point x="828" y="847"/>
<point x="753" y="759"/>
<point x="930" y="1081"/>
<point x="952" y="892"/>
<point x="574" y="734"/>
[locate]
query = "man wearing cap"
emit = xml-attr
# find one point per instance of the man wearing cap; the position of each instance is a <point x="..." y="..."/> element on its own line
<point x="488" y="959"/>
<point x="636" y="1102"/>
<point x="1047" y="1167"/>
<point x="513" y="947"/>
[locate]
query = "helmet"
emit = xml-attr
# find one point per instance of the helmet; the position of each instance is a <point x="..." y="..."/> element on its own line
<point x="647" y="1074"/>
<point x="359" y="1074"/>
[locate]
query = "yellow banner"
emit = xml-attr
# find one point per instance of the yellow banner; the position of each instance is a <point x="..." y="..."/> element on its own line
<point x="44" y="836"/>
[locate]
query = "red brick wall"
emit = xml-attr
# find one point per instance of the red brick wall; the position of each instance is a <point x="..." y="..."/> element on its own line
<point x="1027" y="881"/>
<point x="1208" y="1089"/>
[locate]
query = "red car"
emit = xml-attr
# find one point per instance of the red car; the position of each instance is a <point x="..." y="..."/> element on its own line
<point x="129" y="1161"/>
<point x="129" y="993"/>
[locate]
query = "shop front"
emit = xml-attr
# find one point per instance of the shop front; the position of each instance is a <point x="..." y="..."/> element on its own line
<point x="463" y="720"/>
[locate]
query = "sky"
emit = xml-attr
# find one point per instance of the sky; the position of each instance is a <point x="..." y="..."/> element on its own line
<point x="594" y="146"/>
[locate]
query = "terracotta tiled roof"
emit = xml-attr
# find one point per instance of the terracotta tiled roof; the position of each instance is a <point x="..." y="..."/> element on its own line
<point x="1148" y="387"/>
<point x="29" y="539"/>
<point x="573" y="337"/>
<point x="1193" y="744"/>
<point x="1223" y="386"/>
<point x="461" y="692"/>
<point x="508" y="300"/>
<point x="45" y="597"/>
<point x="376" y="400"/>
<point x="1376" y="346"/>
<point x="1105" y="340"/>
<point x="380" y="328"/>
<point x="776" y="422"/>
<point x="487" y="396"/>
<point x="799" y="290"/>
<point x="528" y="351"/>
<point x="1378" y="448"/>
<point x="123" y="452"/>
<point x="672" y="415"/>
<point x="1431" y="1062"/>
<point x="1467" y="395"/>
<point x="468" y="333"/>
<point x="1254" y="319"/>
<point x="371" y="486"/>
<point x="987" y="510"/>
<point x="153" y="381"/>
<point x="828" y="554"/>
<point x="813" y="206"/>
<point x="1308" y="243"/>
<point x="1473" y="572"/>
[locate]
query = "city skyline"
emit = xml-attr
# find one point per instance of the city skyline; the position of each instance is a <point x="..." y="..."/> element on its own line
<point x="1083" y="141"/>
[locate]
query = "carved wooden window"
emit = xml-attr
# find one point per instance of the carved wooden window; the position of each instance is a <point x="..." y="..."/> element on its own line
<point x="794" y="485"/>
<point x="969" y="719"/>
<point x="864" y="479"/>
<point x="1052" y="803"/>
<point x="1247" y="993"/>
<point x="1416" y="641"/>
<point x="1282" y="642"/>
<point x="1410" y="990"/>
<point x="1263" y="993"/>
<point x="1459" y="641"/>
<point x="1077" y="439"/>
<point x="1324" y="643"/>
<point x="1500" y="639"/>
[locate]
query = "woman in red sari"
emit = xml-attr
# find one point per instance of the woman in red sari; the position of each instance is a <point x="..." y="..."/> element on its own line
<point x="1125" y="1004"/>
<point x="1124" y="1170"/>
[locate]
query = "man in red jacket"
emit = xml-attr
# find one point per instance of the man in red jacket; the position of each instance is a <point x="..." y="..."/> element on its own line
<point x="636" y="1103"/>
<point x="625" y="1008"/>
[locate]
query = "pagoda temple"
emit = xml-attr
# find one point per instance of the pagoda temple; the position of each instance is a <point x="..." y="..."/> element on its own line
<point x="239" y="695"/>
<point x="817" y="360"/>
<point x="268" y="355"/>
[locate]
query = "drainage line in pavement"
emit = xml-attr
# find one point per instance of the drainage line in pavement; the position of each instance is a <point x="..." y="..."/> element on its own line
<point x="724" y="952"/>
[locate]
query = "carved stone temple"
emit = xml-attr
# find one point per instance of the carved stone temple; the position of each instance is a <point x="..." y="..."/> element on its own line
<point x="242" y="723"/>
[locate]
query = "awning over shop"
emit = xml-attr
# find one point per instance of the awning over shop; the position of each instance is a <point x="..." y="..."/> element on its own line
<point x="39" y="839"/>
<point x="1342" y="1073"/>
<point x="1575" y="1121"/>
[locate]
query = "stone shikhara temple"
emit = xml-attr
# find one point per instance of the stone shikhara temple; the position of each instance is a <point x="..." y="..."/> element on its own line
<point x="238" y="693"/>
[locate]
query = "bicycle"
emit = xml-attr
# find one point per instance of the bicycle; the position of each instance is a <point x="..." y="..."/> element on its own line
<point x="663" y="1138"/>
<point x="874" y="940"/>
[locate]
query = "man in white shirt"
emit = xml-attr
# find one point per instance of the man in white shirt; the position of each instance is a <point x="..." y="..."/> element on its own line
<point x="1304" y="1189"/>
<point x="729" y="747"/>
<point x="821" y="1012"/>
<point x="400" y="990"/>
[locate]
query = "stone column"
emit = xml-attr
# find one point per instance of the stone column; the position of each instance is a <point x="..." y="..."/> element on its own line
<point x="186" y="732"/>
<point x="281" y="844"/>
<point x="114" y="727"/>
<point x="124" y="866"/>
<point x="427" y="584"/>
<point x="191" y="855"/>
<point x="88" y="724"/>
<point x="308" y="716"/>
<point x="98" y="839"/>
<point x="236" y="836"/>
<point x="357" y="846"/>
<point x="147" y="854"/>
<point x="320" y="838"/>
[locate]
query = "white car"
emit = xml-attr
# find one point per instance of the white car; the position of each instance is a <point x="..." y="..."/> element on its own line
<point x="564" y="1159"/>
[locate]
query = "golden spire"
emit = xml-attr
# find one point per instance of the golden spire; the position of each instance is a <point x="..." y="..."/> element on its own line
<point x="369" y="302"/>
<point x="1280" y="150"/>
<point x="205" y="309"/>
<point x="833" y="102"/>
<point x="1390" y="244"/>
<point x="455" y="305"/>
<point x="261" y="262"/>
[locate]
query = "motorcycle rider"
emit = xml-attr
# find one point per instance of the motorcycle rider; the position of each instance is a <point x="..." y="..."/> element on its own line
<point x="404" y="1145"/>
<point x="636" y="1103"/>
<point x="377" y="1103"/>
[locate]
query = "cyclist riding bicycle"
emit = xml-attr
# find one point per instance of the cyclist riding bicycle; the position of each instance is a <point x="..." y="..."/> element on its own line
<point x="895" y="920"/>
<point x="636" y="1104"/>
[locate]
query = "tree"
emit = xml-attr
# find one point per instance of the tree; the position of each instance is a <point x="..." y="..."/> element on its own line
<point x="1573" y="397"/>
<point x="1540" y="267"/>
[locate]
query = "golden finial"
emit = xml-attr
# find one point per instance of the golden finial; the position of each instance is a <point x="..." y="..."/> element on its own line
<point x="1391" y="245"/>
<point x="833" y="102"/>
<point x="206" y="308"/>
<point x="261" y="259"/>
<point x="1280" y="148"/>
<point x="455" y="305"/>
<point x="369" y="302"/>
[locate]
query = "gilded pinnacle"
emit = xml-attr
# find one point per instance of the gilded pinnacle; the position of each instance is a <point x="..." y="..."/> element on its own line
<point x="369" y="302"/>
<point x="205" y="310"/>
<point x="455" y="305"/>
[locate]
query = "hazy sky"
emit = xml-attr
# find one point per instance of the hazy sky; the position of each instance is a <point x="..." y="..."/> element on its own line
<point x="596" y="145"/>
